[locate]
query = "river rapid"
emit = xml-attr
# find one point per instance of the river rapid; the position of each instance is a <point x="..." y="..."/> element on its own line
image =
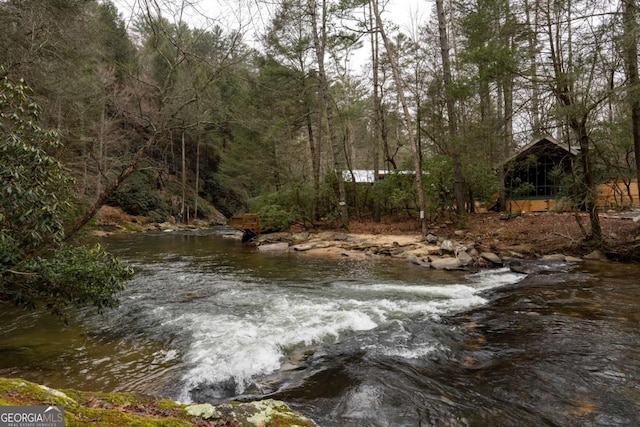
<point x="349" y="342"/>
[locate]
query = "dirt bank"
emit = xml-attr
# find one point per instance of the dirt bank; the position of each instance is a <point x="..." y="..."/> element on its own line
<point x="530" y="235"/>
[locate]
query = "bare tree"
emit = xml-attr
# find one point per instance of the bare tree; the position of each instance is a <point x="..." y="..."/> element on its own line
<point x="451" y="108"/>
<point x="415" y="151"/>
<point x="319" y="28"/>
<point x="159" y="97"/>
<point x="376" y="102"/>
<point x="573" y="81"/>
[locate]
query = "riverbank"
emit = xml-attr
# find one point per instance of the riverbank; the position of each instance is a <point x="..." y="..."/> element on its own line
<point x="483" y="240"/>
<point x="479" y="240"/>
<point x="128" y="409"/>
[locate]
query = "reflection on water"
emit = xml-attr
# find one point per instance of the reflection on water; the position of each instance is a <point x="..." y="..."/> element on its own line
<point x="350" y="342"/>
<point x="41" y="348"/>
<point x="557" y="349"/>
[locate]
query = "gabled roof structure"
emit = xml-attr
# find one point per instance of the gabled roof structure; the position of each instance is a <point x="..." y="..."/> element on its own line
<point x="573" y="150"/>
<point x="536" y="171"/>
<point x="534" y="179"/>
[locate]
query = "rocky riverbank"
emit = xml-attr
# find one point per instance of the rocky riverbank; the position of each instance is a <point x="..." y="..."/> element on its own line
<point x="485" y="240"/>
<point x="481" y="240"/>
<point x="433" y="252"/>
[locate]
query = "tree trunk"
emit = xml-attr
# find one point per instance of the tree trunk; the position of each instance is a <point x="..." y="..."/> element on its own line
<point x="532" y="42"/>
<point x="100" y="154"/>
<point x="184" y="209"/>
<point x="631" y="61"/>
<point x="508" y="146"/>
<point x="197" y="184"/>
<point x="108" y="190"/>
<point x="451" y="109"/>
<point x="393" y="62"/>
<point x="320" y="42"/>
<point x="590" y="202"/>
<point x="576" y="117"/>
<point x="314" y="143"/>
<point x="314" y="151"/>
<point x="377" y="109"/>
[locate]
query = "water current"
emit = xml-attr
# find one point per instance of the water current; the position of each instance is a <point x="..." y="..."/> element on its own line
<point x="350" y="342"/>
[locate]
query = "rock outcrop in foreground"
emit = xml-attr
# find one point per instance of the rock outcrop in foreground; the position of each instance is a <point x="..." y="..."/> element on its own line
<point x="125" y="409"/>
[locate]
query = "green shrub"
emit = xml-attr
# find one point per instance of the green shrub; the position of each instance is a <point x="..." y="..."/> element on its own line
<point x="396" y="192"/>
<point x="275" y="217"/>
<point x="36" y="266"/>
<point x="137" y="196"/>
<point x="289" y="204"/>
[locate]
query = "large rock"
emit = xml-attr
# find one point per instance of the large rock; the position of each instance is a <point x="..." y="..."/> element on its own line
<point x="300" y="237"/>
<point x="431" y="238"/>
<point x="413" y="259"/>
<point x="448" y="246"/>
<point x="267" y="238"/>
<point x="274" y="247"/>
<point x="446" y="263"/>
<point x="464" y="258"/>
<point x="553" y="257"/>
<point x="596" y="256"/>
<point x="114" y="409"/>
<point x="310" y="245"/>
<point x="259" y="413"/>
<point x="517" y="267"/>
<point x="492" y="258"/>
<point x="203" y="410"/>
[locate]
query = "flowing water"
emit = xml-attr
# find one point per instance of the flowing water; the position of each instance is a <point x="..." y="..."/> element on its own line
<point x="350" y="342"/>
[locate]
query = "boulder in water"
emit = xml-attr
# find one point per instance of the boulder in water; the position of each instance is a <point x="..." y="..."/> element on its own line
<point x="446" y="263"/>
<point x="596" y="256"/>
<point x="274" y="247"/>
<point x="492" y="258"/>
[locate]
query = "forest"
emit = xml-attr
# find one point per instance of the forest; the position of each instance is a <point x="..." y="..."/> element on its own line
<point x="169" y="119"/>
<point x="164" y="118"/>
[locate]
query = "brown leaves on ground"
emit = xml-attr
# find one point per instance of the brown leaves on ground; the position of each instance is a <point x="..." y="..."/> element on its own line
<point x="543" y="232"/>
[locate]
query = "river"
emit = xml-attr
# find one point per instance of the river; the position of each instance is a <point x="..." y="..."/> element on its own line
<point x="349" y="342"/>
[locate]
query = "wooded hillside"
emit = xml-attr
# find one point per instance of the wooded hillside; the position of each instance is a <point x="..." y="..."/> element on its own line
<point x="166" y="119"/>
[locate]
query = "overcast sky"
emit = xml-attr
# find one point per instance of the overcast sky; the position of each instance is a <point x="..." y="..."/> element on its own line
<point x="250" y="16"/>
<point x="245" y="13"/>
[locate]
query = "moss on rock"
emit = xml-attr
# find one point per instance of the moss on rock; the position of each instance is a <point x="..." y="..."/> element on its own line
<point x="262" y="413"/>
<point x="129" y="409"/>
<point x="274" y="412"/>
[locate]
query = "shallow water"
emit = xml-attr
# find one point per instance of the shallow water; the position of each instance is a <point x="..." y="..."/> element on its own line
<point x="350" y="342"/>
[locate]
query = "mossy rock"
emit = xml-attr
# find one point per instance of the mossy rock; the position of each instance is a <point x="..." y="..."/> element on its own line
<point x="96" y="409"/>
<point x="129" y="409"/>
<point x="252" y="414"/>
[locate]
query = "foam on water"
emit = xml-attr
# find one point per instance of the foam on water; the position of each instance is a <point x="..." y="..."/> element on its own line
<point x="415" y="352"/>
<point x="239" y="345"/>
<point x="489" y="279"/>
<point x="232" y="329"/>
